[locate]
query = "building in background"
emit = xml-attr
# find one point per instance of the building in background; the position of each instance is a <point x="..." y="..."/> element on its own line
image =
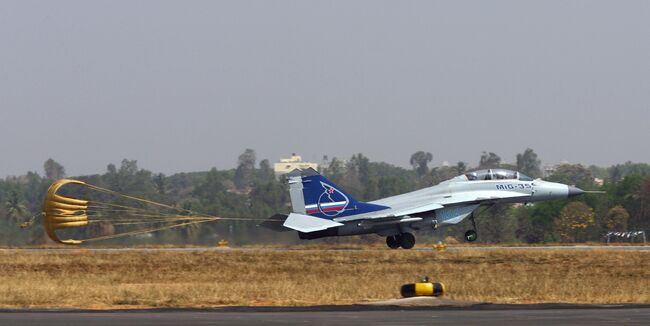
<point x="287" y="165"/>
<point x="549" y="169"/>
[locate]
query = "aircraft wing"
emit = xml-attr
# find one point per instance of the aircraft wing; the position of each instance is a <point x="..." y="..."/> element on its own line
<point x="477" y="197"/>
<point x="406" y="206"/>
<point x="416" y="209"/>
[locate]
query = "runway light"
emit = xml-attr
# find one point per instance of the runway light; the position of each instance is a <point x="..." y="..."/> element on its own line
<point x="440" y="246"/>
<point x="423" y="288"/>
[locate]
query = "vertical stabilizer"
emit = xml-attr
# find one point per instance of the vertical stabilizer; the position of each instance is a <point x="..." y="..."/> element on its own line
<point x="313" y="194"/>
<point x="295" y="191"/>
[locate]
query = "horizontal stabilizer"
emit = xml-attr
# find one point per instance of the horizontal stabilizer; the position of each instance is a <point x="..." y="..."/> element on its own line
<point x="306" y="223"/>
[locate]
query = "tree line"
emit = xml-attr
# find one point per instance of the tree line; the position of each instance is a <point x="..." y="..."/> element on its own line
<point x="252" y="190"/>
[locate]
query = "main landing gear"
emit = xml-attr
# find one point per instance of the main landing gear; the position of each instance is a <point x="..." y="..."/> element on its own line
<point x="471" y="235"/>
<point x="404" y="240"/>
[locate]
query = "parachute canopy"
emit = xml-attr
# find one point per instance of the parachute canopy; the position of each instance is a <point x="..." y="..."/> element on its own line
<point x="107" y="214"/>
<point x="61" y="212"/>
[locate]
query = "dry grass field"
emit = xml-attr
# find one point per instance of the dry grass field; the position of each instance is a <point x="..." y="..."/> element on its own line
<point x="89" y="279"/>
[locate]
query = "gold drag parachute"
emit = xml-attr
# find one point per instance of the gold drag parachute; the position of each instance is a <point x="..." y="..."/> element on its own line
<point x="126" y="215"/>
<point x="61" y="212"/>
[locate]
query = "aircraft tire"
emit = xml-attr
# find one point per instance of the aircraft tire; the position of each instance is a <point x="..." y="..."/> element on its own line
<point x="407" y="240"/>
<point x="393" y="241"/>
<point x="471" y="236"/>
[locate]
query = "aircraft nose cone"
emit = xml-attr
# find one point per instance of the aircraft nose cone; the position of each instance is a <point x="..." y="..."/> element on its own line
<point x="575" y="191"/>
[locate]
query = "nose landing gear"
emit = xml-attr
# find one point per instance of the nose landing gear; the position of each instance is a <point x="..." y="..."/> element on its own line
<point x="471" y="235"/>
<point x="405" y="240"/>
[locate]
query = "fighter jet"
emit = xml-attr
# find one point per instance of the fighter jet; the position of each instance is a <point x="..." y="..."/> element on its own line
<point x="322" y="209"/>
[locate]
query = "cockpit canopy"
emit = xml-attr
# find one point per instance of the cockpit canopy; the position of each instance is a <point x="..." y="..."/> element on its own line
<point x="497" y="174"/>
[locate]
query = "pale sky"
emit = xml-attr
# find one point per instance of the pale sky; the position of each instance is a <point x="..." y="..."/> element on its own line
<point x="188" y="85"/>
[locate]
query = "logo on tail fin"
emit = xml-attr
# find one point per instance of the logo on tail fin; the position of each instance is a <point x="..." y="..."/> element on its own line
<point x="331" y="202"/>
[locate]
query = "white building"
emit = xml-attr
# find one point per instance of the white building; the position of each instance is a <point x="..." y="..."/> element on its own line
<point x="287" y="165"/>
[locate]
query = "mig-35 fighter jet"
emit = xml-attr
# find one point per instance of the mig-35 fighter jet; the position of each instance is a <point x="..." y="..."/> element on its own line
<point x="322" y="209"/>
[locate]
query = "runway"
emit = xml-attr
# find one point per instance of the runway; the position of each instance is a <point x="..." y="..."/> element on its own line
<point x="342" y="315"/>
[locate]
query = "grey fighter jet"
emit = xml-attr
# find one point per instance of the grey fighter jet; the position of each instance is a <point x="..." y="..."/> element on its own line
<point x="322" y="209"/>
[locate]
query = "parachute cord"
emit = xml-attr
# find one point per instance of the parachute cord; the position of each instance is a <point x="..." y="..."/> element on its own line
<point x="129" y="215"/>
<point x="147" y="222"/>
<point x="116" y="214"/>
<point x="139" y="222"/>
<point x="119" y="235"/>
<point x="103" y="205"/>
<point x="138" y="212"/>
<point x="152" y="220"/>
<point x="170" y="218"/>
<point x="117" y="210"/>
<point x="115" y="193"/>
<point x="148" y="214"/>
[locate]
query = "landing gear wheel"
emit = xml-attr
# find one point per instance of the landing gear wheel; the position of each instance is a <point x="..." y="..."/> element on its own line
<point x="393" y="241"/>
<point x="407" y="240"/>
<point x="471" y="235"/>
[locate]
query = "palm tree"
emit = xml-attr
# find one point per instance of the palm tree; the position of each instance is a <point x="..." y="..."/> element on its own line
<point x="15" y="207"/>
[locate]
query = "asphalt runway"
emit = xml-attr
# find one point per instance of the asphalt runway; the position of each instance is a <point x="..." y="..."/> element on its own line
<point x="485" y="315"/>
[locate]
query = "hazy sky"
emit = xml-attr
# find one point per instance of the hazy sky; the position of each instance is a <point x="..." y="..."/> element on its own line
<point x="187" y="85"/>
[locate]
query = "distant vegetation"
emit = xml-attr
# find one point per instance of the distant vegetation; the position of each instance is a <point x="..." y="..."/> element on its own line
<point x="251" y="190"/>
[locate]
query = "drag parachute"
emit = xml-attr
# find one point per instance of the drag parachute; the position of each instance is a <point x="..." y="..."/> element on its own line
<point x="61" y="212"/>
<point x="106" y="214"/>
